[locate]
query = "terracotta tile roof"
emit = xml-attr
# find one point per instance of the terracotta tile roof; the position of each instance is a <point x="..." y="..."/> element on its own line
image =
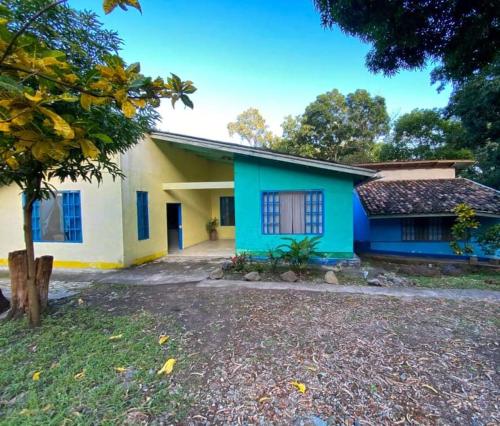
<point x="432" y="196"/>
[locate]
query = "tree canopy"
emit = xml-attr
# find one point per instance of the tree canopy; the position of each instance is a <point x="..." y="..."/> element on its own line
<point x="424" y="134"/>
<point x="462" y="35"/>
<point x="252" y="129"/>
<point x="68" y="103"/>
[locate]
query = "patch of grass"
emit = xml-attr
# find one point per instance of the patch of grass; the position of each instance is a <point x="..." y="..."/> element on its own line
<point x="73" y="340"/>
<point x="481" y="281"/>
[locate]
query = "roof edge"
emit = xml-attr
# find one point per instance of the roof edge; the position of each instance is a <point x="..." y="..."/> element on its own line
<point x="261" y="153"/>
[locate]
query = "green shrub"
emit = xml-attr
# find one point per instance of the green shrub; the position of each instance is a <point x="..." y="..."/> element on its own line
<point x="489" y="239"/>
<point x="240" y="261"/>
<point x="274" y="259"/>
<point x="299" y="253"/>
<point x="461" y="231"/>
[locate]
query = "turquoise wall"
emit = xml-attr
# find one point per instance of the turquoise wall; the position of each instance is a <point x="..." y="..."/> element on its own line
<point x="252" y="176"/>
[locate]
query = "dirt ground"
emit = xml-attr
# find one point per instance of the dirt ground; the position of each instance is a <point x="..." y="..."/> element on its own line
<point x="363" y="359"/>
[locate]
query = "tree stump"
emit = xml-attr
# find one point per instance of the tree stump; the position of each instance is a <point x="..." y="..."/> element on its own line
<point x="4" y="303"/>
<point x="43" y="267"/>
<point x="18" y="265"/>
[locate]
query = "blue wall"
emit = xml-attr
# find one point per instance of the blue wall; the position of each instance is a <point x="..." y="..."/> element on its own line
<point x="252" y="176"/>
<point x="385" y="235"/>
<point x="361" y="222"/>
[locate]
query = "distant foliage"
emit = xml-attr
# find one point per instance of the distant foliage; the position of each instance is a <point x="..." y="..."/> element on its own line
<point x="489" y="239"/>
<point x="252" y="129"/>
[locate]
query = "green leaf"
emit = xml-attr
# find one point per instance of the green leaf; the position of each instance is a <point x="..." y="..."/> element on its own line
<point x="103" y="138"/>
<point x="10" y="85"/>
<point x="186" y="101"/>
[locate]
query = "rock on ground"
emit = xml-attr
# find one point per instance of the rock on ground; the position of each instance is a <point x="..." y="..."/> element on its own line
<point x="331" y="278"/>
<point x="289" y="276"/>
<point x="252" y="276"/>
<point x="216" y="274"/>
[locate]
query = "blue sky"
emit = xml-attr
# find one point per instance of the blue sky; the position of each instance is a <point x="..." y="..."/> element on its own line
<point x="272" y="55"/>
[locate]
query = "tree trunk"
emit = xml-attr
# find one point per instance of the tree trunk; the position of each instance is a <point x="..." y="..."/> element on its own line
<point x="33" y="300"/>
<point x="4" y="303"/>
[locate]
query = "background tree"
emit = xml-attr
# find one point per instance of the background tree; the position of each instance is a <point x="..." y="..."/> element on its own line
<point x="251" y="127"/>
<point x="424" y="134"/>
<point x="60" y="114"/>
<point x="462" y="36"/>
<point x="345" y="128"/>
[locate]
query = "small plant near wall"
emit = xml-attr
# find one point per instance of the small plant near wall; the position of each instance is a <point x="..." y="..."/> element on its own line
<point x="240" y="261"/>
<point x="211" y="226"/>
<point x="299" y="253"/>
<point x="461" y="231"/>
<point x="274" y="259"/>
<point x="489" y="239"/>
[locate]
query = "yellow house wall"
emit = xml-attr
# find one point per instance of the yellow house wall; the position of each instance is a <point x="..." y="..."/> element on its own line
<point x="147" y="166"/>
<point x="102" y="245"/>
<point x="225" y="232"/>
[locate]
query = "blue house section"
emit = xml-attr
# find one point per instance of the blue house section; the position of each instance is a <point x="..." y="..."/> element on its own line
<point x="384" y="236"/>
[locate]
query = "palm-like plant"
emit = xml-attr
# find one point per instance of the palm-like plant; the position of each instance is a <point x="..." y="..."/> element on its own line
<point x="299" y="253"/>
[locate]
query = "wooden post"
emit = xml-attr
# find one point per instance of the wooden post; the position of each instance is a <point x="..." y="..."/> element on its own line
<point x="18" y="265"/>
<point x="43" y="267"/>
<point x="19" y="291"/>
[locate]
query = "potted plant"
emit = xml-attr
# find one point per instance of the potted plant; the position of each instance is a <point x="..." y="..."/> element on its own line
<point x="212" y="228"/>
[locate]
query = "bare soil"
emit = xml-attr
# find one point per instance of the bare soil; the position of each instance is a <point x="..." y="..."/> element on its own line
<point x="363" y="359"/>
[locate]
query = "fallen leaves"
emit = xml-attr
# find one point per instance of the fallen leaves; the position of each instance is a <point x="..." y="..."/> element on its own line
<point x="79" y="376"/>
<point x="36" y="376"/>
<point x="116" y="337"/>
<point x="163" y="339"/>
<point x="167" y="367"/>
<point x="301" y="387"/>
<point x="120" y="369"/>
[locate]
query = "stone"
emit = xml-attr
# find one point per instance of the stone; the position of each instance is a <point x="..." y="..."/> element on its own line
<point x="289" y="276"/>
<point x="216" y="274"/>
<point x="331" y="278"/>
<point x="227" y="265"/>
<point x="252" y="276"/>
<point x="374" y="282"/>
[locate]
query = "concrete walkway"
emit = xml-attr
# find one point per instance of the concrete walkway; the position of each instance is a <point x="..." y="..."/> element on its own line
<point x="449" y="294"/>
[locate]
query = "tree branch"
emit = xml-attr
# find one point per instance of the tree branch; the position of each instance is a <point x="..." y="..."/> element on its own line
<point x="26" y="26"/>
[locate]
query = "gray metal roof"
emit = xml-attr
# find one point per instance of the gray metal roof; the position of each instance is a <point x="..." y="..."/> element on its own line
<point x="233" y="148"/>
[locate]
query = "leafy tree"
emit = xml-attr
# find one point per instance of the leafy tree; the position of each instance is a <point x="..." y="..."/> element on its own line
<point x="251" y="127"/>
<point x="60" y="109"/>
<point x="461" y="231"/>
<point x="462" y="35"/>
<point x="489" y="239"/>
<point x="295" y="138"/>
<point x="345" y="128"/>
<point x="424" y="134"/>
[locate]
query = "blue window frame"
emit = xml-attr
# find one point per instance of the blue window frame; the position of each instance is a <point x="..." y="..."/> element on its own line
<point x="142" y="215"/>
<point x="58" y="218"/>
<point x="227" y="211"/>
<point x="293" y="212"/>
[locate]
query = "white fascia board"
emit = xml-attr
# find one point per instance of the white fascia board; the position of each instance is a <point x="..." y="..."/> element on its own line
<point x="198" y="185"/>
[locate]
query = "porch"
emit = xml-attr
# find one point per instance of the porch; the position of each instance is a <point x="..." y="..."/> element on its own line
<point x="218" y="248"/>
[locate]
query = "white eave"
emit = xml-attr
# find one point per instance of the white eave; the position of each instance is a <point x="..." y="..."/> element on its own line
<point x="260" y="153"/>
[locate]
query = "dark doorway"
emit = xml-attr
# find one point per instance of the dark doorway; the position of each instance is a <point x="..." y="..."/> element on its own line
<point x="174" y="227"/>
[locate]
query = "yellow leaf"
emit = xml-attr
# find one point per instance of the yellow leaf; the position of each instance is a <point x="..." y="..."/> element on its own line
<point x="116" y="337"/>
<point x="86" y="101"/>
<point x="128" y="109"/>
<point x="264" y="399"/>
<point x="36" y="376"/>
<point x="163" y="339"/>
<point x="61" y="127"/>
<point x="167" y="367"/>
<point x="102" y="84"/>
<point x="41" y="150"/>
<point x="12" y="163"/>
<point x="311" y="368"/>
<point x="89" y="149"/>
<point x="4" y="127"/>
<point x="36" y="98"/>
<point x="27" y="135"/>
<point x="120" y="369"/>
<point x="71" y="78"/>
<point x="139" y="103"/>
<point x="301" y="387"/>
<point x="79" y="376"/>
